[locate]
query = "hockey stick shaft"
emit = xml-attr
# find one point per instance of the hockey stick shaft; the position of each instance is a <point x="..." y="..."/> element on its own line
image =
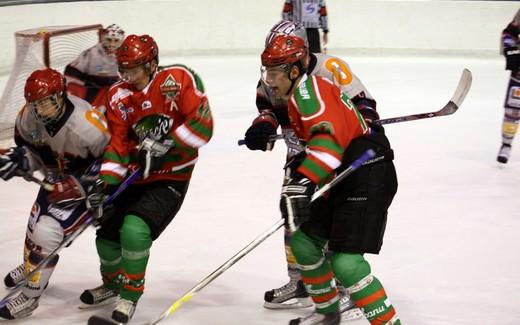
<point x="68" y="240"/>
<point x="451" y="107"/>
<point x="258" y="240"/>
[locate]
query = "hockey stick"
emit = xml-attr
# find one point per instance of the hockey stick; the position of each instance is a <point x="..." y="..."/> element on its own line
<point x="451" y="107"/>
<point x="68" y="240"/>
<point x="258" y="240"/>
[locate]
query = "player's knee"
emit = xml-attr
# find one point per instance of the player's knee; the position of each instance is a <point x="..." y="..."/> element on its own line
<point x="47" y="233"/>
<point x="307" y="250"/>
<point x="135" y="234"/>
<point x="349" y="268"/>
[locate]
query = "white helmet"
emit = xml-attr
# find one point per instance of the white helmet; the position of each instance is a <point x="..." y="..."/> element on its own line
<point x="112" y="37"/>
<point x="287" y="27"/>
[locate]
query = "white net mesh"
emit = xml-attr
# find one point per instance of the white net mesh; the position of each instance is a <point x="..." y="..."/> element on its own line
<point x="54" y="47"/>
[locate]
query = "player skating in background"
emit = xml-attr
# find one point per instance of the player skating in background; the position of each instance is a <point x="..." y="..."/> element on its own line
<point x="273" y="113"/>
<point x="158" y="120"/>
<point x="351" y="219"/>
<point x="59" y="135"/>
<point x="510" y="47"/>
<point x="95" y="69"/>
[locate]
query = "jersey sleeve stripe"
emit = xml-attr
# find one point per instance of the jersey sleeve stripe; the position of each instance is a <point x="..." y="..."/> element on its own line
<point x="315" y="169"/>
<point x="188" y="137"/>
<point x="114" y="168"/>
<point x="323" y="142"/>
<point x="328" y="159"/>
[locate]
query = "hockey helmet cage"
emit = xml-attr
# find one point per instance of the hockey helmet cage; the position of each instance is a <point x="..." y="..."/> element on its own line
<point x="284" y="50"/>
<point x="137" y="50"/>
<point x="287" y="27"/>
<point x="43" y="83"/>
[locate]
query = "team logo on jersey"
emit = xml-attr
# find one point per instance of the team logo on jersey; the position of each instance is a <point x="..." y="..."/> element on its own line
<point x="122" y="110"/>
<point x="155" y="127"/>
<point x="146" y="105"/>
<point x="170" y="88"/>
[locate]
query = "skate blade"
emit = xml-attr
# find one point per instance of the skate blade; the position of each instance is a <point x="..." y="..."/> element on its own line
<point x="108" y="301"/>
<point x="294" y="303"/>
<point x="351" y="314"/>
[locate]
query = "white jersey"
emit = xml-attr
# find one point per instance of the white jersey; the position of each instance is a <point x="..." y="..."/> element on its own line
<point x="95" y="62"/>
<point x="322" y="65"/>
<point x="78" y="138"/>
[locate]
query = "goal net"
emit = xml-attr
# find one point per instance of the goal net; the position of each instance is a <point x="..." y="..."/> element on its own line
<point x="37" y="48"/>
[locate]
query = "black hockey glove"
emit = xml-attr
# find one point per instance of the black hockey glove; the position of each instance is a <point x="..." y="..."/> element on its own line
<point x="151" y="153"/>
<point x="257" y="136"/>
<point x="295" y="201"/>
<point x="512" y="55"/>
<point x="13" y="162"/>
<point x="97" y="195"/>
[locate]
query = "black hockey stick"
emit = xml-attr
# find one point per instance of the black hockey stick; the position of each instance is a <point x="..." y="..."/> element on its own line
<point x="68" y="240"/>
<point x="451" y="107"/>
<point x="367" y="155"/>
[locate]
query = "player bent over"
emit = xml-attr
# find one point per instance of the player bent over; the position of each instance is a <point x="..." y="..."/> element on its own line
<point x="59" y="135"/>
<point x="92" y="73"/>
<point x="351" y="218"/>
<point x="158" y="120"/>
<point x="273" y="113"/>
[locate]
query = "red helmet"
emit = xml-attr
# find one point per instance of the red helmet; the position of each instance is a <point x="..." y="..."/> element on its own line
<point x="137" y="50"/>
<point x="284" y="49"/>
<point x="43" y="83"/>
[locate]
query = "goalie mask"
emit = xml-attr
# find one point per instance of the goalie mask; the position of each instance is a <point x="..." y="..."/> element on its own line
<point x="289" y="28"/>
<point x="44" y="92"/>
<point x="112" y="37"/>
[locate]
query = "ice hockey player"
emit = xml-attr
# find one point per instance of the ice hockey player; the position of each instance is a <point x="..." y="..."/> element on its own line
<point x="510" y="47"/>
<point x="158" y="120"/>
<point x="59" y="135"/>
<point x="272" y="113"/>
<point x="352" y="218"/>
<point x="95" y="69"/>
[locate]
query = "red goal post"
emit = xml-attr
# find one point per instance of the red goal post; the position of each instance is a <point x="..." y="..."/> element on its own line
<point x="36" y="48"/>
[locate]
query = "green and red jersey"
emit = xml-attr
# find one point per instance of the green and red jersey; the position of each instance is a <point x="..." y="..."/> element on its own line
<point x="175" y="92"/>
<point x="327" y="121"/>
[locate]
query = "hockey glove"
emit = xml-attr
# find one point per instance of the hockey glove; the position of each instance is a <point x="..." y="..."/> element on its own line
<point x="97" y="194"/>
<point x="512" y="55"/>
<point x="295" y="201"/>
<point x="257" y="136"/>
<point x="151" y="153"/>
<point x="13" y="162"/>
<point x="67" y="192"/>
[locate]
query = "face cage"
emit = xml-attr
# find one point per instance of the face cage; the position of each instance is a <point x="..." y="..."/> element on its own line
<point x="111" y="44"/>
<point x="49" y="100"/>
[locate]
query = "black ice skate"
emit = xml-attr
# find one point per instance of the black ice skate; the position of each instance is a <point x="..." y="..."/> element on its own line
<point x="15" y="276"/>
<point x="99" y="296"/>
<point x="333" y="318"/>
<point x="292" y="295"/>
<point x="124" y="311"/>
<point x="503" y="154"/>
<point x="19" y="307"/>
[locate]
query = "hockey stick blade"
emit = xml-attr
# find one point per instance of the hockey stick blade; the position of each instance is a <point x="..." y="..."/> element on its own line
<point x="68" y="240"/>
<point x="451" y="107"/>
<point x="366" y="156"/>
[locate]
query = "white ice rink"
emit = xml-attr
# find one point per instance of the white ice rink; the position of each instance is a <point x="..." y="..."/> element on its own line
<point x="451" y="247"/>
